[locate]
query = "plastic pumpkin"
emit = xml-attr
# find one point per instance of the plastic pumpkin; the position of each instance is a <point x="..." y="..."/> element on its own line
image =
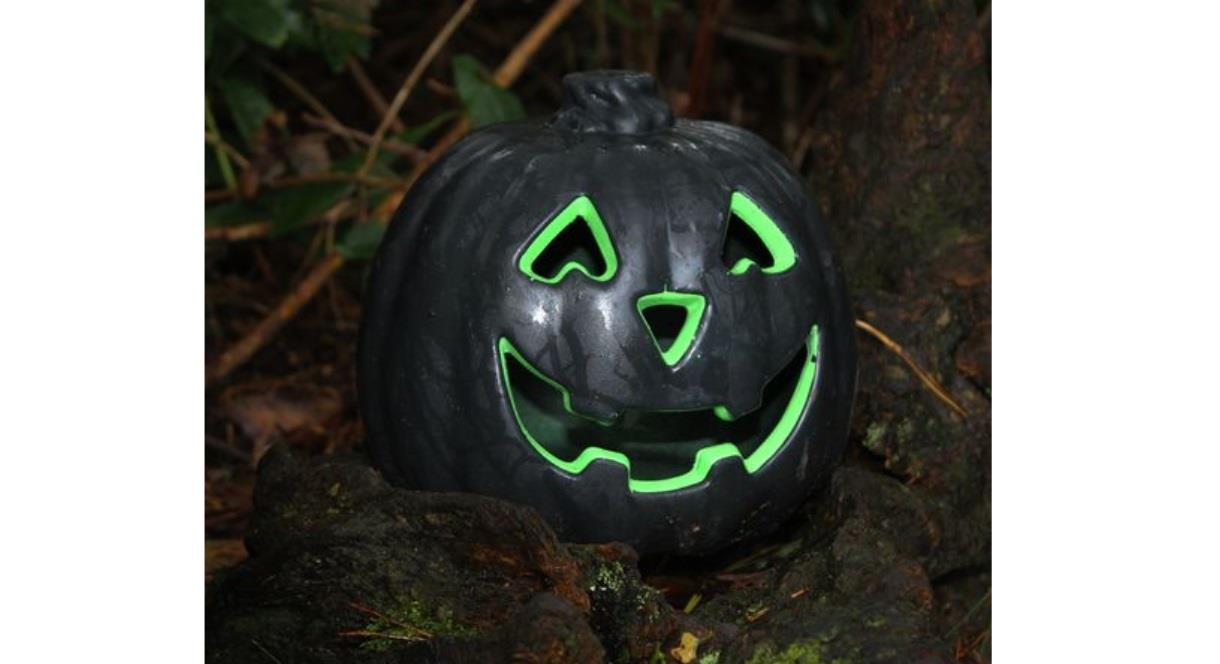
<point x="632" y="323"/>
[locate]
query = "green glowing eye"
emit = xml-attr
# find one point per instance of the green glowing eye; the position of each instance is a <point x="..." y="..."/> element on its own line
<point x="575" y="239"/>
<point x="752" y="238"/>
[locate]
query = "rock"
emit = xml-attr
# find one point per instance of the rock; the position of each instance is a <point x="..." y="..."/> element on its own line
<point x="549" y="630"/>
<point x="862" y="594"/>
<point x="631" y="617"/>
<point x="345" y="568"/>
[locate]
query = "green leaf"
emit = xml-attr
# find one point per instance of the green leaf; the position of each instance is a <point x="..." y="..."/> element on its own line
<point x="486" y="103"/>
<point x="264" y="21"/>
<point x="661" y="7"/>
<point x="420" y="132"/>
<point x="467" y="74"/>
<point x="352" y="163"/>
<point x="212" y="175"/>
<point x="376" y="195"/>
<point x="294" y="207"/>
<point x="227" y="47"/>
<point x="621" y="16"/>
<point x="247" y="104"/>
<point x="361" y="241"/>
<point x="302" y="34"/>
<point x="232" y="213"/>
<point x="209" y="35"/>
<point x="223" y="166"/>
<point x="344" y="29"/>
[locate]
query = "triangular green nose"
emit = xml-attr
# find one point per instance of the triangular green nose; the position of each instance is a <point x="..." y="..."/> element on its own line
<point x="672" y="320"/>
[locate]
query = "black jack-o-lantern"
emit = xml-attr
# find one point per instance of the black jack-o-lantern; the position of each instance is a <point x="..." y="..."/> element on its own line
<point x="632" y="323"/>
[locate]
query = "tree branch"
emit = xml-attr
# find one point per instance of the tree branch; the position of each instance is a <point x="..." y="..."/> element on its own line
<point x="504" y="76"/>
<point x="924" y="377"/>
<point x="400" y="97"/>
<point x="371" y="93"/>
<point x="412" y="152"/>
<point x="243" y="350"/>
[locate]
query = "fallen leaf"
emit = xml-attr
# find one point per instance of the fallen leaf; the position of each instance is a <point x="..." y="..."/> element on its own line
<point x="687" y="650"/>
<point x="307" y="153"/>
<point x="299" y="413"/>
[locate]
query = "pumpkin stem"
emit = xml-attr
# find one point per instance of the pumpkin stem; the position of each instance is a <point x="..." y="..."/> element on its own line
<point x="612" y="102"/>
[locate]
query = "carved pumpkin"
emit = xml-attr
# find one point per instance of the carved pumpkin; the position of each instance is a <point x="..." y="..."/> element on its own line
<point x="632" y="323"/>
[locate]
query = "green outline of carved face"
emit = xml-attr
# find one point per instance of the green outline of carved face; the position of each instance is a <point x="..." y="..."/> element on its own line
<point x="693" y="303"/>
<point x="783" y="256"/>
<point x="705" y="458"/>
<point x="580" y="208"/>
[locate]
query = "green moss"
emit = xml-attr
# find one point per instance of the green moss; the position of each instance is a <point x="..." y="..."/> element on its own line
<point x="906" y="431"/>
<point x="614" y="579"/>
<point x="377" y="645"/>
<point x="874" y="436"/>
<point x="930" y="211"/>
<point x="712" y="657"/>
<point x="830" y="634"/>
<point x="410" y="620"/>
<point x="610" y="577"/>
<point x="797" y="653"/>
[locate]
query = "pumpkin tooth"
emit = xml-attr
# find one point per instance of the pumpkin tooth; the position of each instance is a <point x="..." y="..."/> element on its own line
<point x="740" y="400"/>
<point x="639" y="439"/>
<point x="594" y="409"/>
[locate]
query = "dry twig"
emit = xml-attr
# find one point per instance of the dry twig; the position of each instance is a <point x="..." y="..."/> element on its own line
<point x="440" y="89"/>
<point x="243" y="232"/>
<point x="924" y="377"/>
<point x="408" y="85"/>
<point x="316" y="178"/>
<point x="414" y="632"/>
<point x="391" y="202"/>
<point x="216" y="141"/>
<point x="266" y="652"/>
<point x="334" y="176"/>
<point x="304" y="95"/>
<point x="508" y="72"/>
<point x="243" y="350"/>
<point x="257" y="229"/>
<point x="754" y="614"/>
<point x="372" y="94"/>
<point x="504" y="76"/>
<point x="212" y="134"/>
<point x="514" y="64"/>
<point x="412" y="152"/>
<point x="390" y="636"/>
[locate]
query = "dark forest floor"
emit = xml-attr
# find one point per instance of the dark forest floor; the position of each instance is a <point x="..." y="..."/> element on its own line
<point x="885" y="108"/>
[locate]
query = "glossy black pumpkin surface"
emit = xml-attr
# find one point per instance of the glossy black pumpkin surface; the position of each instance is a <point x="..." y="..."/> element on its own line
<point x="632" y="323"/>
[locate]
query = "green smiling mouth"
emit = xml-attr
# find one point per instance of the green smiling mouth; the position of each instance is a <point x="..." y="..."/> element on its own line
<point x="661" y="450"/>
